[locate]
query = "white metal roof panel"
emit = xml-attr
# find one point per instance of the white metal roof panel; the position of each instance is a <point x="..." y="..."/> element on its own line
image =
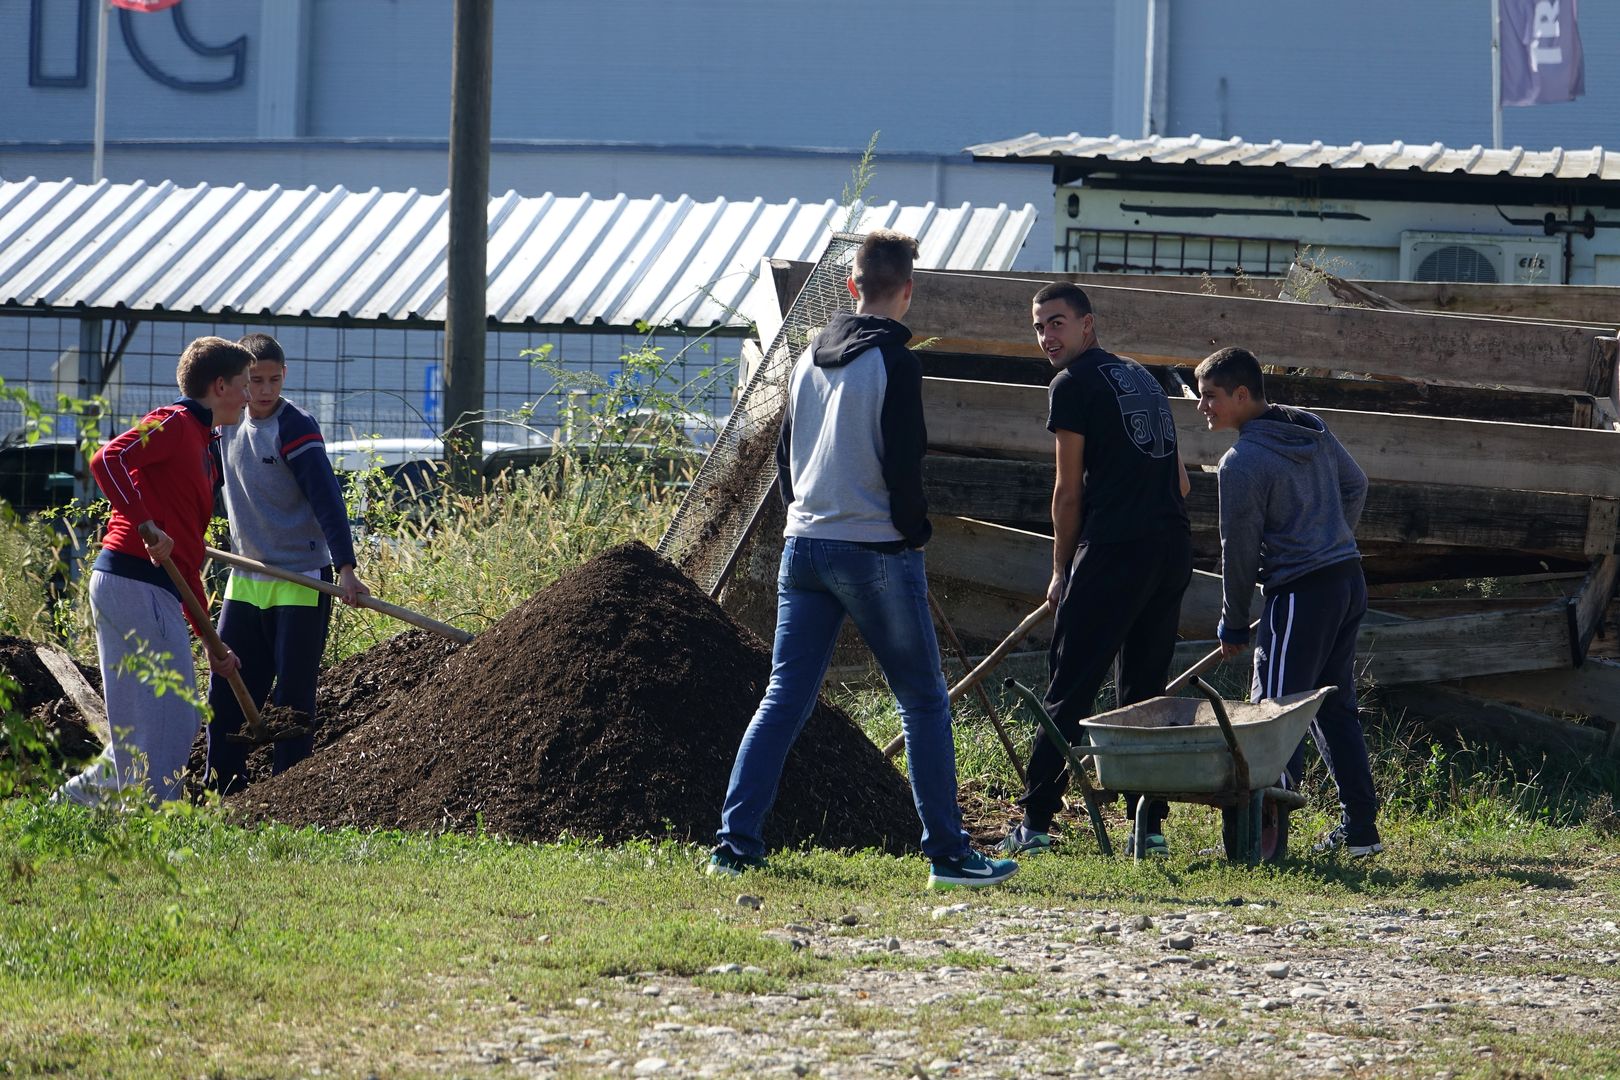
<point x="1593" y="163"/>
<point x="376" y="255"/>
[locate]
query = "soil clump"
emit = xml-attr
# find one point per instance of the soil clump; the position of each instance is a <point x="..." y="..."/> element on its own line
<point x="49" y="714"/>
<point x="609" y="705"/>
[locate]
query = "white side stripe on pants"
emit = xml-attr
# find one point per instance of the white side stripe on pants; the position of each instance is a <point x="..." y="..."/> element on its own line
<point x="1279" y="653"/>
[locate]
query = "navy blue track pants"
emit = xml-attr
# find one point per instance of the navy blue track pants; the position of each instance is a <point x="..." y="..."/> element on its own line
<point x="1307" y="640"/>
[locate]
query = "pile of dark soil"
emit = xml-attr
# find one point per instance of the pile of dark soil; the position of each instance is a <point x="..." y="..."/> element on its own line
<point x="609" y="705"/>
<point x="51" y="716"/>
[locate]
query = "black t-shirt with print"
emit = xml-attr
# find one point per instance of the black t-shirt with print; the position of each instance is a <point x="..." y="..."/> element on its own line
<point x="1132" y="488"/>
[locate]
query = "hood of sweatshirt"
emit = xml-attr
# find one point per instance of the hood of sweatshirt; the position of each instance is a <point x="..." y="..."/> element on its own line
<point x="1291" y="433"/>
<point x="847" y="336"/>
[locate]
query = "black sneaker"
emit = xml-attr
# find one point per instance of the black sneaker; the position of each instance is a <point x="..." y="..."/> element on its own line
<point x="1358" y="843"/>
<point x="723" y="862"/>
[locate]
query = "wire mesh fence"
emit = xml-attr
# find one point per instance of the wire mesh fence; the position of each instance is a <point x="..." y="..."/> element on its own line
<point x="720" y="508"/>
<point x="375" y="391"/>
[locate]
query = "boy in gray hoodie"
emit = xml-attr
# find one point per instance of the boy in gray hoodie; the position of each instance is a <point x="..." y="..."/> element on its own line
<point x="1291" y="496"/>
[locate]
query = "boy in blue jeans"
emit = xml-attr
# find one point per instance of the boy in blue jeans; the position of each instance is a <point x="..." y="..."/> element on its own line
<point x="849" y="466"/>
<point x="1291" y="496"/>
<point x="285" y="509"/>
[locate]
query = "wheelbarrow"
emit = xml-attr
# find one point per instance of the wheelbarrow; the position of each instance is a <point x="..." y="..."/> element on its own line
<point x="1183" y="750"/>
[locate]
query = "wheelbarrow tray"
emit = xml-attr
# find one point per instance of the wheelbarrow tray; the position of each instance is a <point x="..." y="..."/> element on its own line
<point x="1172" y="745"/>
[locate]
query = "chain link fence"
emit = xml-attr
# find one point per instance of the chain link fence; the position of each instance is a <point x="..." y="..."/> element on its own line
<point x="377" y="392"/>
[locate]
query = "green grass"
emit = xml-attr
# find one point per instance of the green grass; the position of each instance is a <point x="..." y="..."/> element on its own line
<point x="130" y="943"/>
<point x="163" y="944"/>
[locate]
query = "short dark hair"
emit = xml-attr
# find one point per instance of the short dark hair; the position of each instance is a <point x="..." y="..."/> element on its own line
<point x="1231" y="368"/>
<point x="883" y="263"/>
<point x="264" y="347"/>
<point x="207" y="359"/>
<point x="1069" y="293"/>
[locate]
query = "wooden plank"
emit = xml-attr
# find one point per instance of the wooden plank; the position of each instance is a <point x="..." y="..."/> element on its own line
<point x="1593" y="600"/>
<point x="1384" y="564"/>
<point x="1573" y="526"/>
<point x="1427" y="650"/>
<point x="1593" y="689"/>
<point x="1436" y="650"/>
<point x="1574" y="305"/>
<point x="1554" y="408"/>
<point x="991" y="314"/>
<point x="1011" y="421"/>
<point x="78" y="690"/>
<point x="1019" y="564"/>
<point x="1494" y="722"/>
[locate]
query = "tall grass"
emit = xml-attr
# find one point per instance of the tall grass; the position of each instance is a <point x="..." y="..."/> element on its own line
<point x="468" y="559"/>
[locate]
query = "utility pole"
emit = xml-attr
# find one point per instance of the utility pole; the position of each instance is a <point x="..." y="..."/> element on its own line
<point x="466" y="308"/>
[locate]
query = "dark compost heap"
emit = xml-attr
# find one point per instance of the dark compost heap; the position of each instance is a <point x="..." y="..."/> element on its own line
<point x="608" y="705"/>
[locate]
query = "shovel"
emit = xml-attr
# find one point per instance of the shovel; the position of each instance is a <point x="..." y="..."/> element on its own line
<point x="394" y="610"/>
<point x="258" y="732"/>
<point x="976" y="676"/>
<point x="1210" y="660"/>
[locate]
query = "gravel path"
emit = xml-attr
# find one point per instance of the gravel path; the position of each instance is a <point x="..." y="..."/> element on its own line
<point x="1237" y="990"/>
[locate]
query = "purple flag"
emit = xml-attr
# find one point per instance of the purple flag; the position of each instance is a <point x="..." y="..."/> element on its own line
<point x="1541" y="52"/>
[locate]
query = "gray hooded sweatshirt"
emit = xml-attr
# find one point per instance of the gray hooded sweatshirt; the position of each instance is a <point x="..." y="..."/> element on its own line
<point x="1291" y="497"/>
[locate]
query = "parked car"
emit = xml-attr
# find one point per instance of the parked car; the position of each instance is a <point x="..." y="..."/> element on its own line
<point x="38" y="475"/>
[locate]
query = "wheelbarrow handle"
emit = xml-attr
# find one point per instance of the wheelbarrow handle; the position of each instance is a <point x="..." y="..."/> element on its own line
<point x="216" y="647"/>
<point x="393" y="610"/>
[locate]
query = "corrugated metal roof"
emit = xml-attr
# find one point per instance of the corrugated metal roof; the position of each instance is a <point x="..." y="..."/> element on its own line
<point x="1593" y="163"/>
<point x="380" y="255"/>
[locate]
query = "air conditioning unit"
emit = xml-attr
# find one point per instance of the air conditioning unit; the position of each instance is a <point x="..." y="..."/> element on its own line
<point x="1471" y="257"/>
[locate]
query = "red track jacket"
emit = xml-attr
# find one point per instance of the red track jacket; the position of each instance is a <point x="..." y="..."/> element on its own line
<point x="162" y="471"/>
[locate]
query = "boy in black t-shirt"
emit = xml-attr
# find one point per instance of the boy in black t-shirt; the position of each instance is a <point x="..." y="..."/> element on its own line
<point x="1121" y="549"/>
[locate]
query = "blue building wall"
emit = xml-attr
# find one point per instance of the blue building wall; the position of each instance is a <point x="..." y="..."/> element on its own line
<point x="933" y="76"/>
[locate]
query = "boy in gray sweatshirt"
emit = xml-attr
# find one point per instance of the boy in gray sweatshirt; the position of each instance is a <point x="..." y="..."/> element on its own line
<point x="286" y="510"/>
<point x="1291" y="496"/>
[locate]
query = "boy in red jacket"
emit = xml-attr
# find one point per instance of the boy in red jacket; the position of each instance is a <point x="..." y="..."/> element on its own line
<point x="159" y="477"/>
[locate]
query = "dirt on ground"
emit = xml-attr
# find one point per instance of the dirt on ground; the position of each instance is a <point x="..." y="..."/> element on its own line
<point x="51" y="716"/>
<point x="608" y="705"/>
<point x="349" y="694"/>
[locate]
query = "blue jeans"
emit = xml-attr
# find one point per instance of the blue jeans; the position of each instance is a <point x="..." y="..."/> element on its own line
<point x="820" y="581"/>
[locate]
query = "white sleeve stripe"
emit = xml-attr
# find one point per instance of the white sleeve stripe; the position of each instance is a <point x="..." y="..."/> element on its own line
<point x="132" y="495"/>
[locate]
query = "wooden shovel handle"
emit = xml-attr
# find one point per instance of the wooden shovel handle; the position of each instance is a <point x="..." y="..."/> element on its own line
<point x="393" y="610"/>
<point x="216" y="647"/>
<point x="985" y="666"/>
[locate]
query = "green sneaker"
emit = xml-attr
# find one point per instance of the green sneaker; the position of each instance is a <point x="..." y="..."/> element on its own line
<point x="724" y="862"/>
<point x="1155" y="847"/>
<point x="971" y="871"/>
<point x="1025" y="841"/>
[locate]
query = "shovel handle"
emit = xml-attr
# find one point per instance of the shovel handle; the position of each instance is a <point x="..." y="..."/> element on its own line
<point x="393" y="610"/>
<point x="985" y="666"/>
<point x="1210" y="660"/>
<point x="216" y="647"/>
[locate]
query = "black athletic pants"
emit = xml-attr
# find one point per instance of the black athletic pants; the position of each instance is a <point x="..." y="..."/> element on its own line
<point x="280" y="645"/>
<point x="1307" y="640"/>
<point x="1121" y="598"/>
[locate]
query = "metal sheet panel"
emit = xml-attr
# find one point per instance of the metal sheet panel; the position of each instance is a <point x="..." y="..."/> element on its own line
<point x="1583" y="164"/>
<point x="375" y="255"/>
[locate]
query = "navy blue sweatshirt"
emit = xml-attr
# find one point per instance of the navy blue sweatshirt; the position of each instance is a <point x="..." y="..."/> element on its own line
<point x="849" y="461"/>
<point x="1291" y="497"/>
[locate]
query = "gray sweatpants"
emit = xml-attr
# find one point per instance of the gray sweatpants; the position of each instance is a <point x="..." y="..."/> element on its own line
<point x="152" y="732"/>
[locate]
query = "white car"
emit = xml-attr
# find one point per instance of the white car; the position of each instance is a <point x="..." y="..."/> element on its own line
<point x="393" y="455"/>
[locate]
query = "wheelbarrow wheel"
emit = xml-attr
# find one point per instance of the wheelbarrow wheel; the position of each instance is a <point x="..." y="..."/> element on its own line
<point x="1273" y="832"/>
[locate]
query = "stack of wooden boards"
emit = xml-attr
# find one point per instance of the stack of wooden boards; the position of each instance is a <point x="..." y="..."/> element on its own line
<point x="1491" y="443"/>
